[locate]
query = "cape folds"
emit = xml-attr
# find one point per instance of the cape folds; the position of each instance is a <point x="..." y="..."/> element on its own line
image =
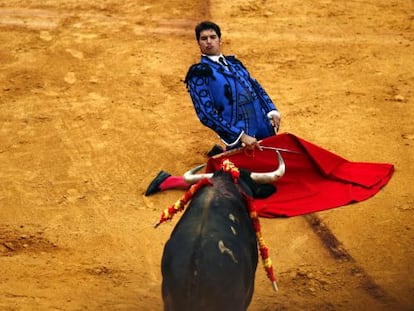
<point x="315" y="178"/>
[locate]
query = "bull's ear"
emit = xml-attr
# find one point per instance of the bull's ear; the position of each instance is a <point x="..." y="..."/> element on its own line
<point x="264" y="190"/>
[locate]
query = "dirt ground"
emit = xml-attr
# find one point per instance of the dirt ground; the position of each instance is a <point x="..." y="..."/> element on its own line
<point x="92" y="106"/>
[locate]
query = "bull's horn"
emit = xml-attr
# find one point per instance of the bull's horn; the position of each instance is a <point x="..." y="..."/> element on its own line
<point x="191" y="177"/>
<point x="269" y="177"/>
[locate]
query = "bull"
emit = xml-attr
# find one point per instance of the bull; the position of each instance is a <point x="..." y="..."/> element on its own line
<point x="210" y="260"/>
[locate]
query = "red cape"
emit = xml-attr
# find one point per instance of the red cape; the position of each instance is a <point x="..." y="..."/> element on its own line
<point x="315" y="178"/>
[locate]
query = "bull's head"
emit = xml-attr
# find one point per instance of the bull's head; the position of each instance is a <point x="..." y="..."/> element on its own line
<point x="263" y="178"/>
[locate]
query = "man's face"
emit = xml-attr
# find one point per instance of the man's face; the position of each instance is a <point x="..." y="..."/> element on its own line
<point x="209" y="42"/>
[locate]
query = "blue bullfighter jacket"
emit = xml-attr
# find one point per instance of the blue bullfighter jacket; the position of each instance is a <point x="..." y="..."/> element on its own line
<point x="230" y="102"/>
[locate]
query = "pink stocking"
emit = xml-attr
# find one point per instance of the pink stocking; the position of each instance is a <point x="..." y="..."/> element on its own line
<point x="174" y="182"/>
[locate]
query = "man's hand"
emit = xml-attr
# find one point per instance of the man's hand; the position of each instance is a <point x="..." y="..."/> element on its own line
<point x="250" y="142"/>
<point x="276" y="123"/>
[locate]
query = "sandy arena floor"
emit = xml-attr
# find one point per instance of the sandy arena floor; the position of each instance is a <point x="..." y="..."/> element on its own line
<point x="92" y="106"/>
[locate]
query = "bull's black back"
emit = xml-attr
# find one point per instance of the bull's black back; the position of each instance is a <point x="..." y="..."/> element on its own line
<point x="210" y="260"/>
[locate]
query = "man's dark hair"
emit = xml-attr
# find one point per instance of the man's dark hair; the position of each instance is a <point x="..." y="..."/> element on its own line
<point x="206" y="25"/>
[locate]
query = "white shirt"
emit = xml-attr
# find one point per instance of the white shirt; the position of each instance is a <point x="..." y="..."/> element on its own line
<point x="215" y="58"/>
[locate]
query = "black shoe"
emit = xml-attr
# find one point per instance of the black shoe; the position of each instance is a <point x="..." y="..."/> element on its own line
<point x="215" y="150"/>
<point x="154" y="186"/>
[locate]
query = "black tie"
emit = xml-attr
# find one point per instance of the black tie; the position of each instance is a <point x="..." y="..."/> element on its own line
<point x="221" y="61"/>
